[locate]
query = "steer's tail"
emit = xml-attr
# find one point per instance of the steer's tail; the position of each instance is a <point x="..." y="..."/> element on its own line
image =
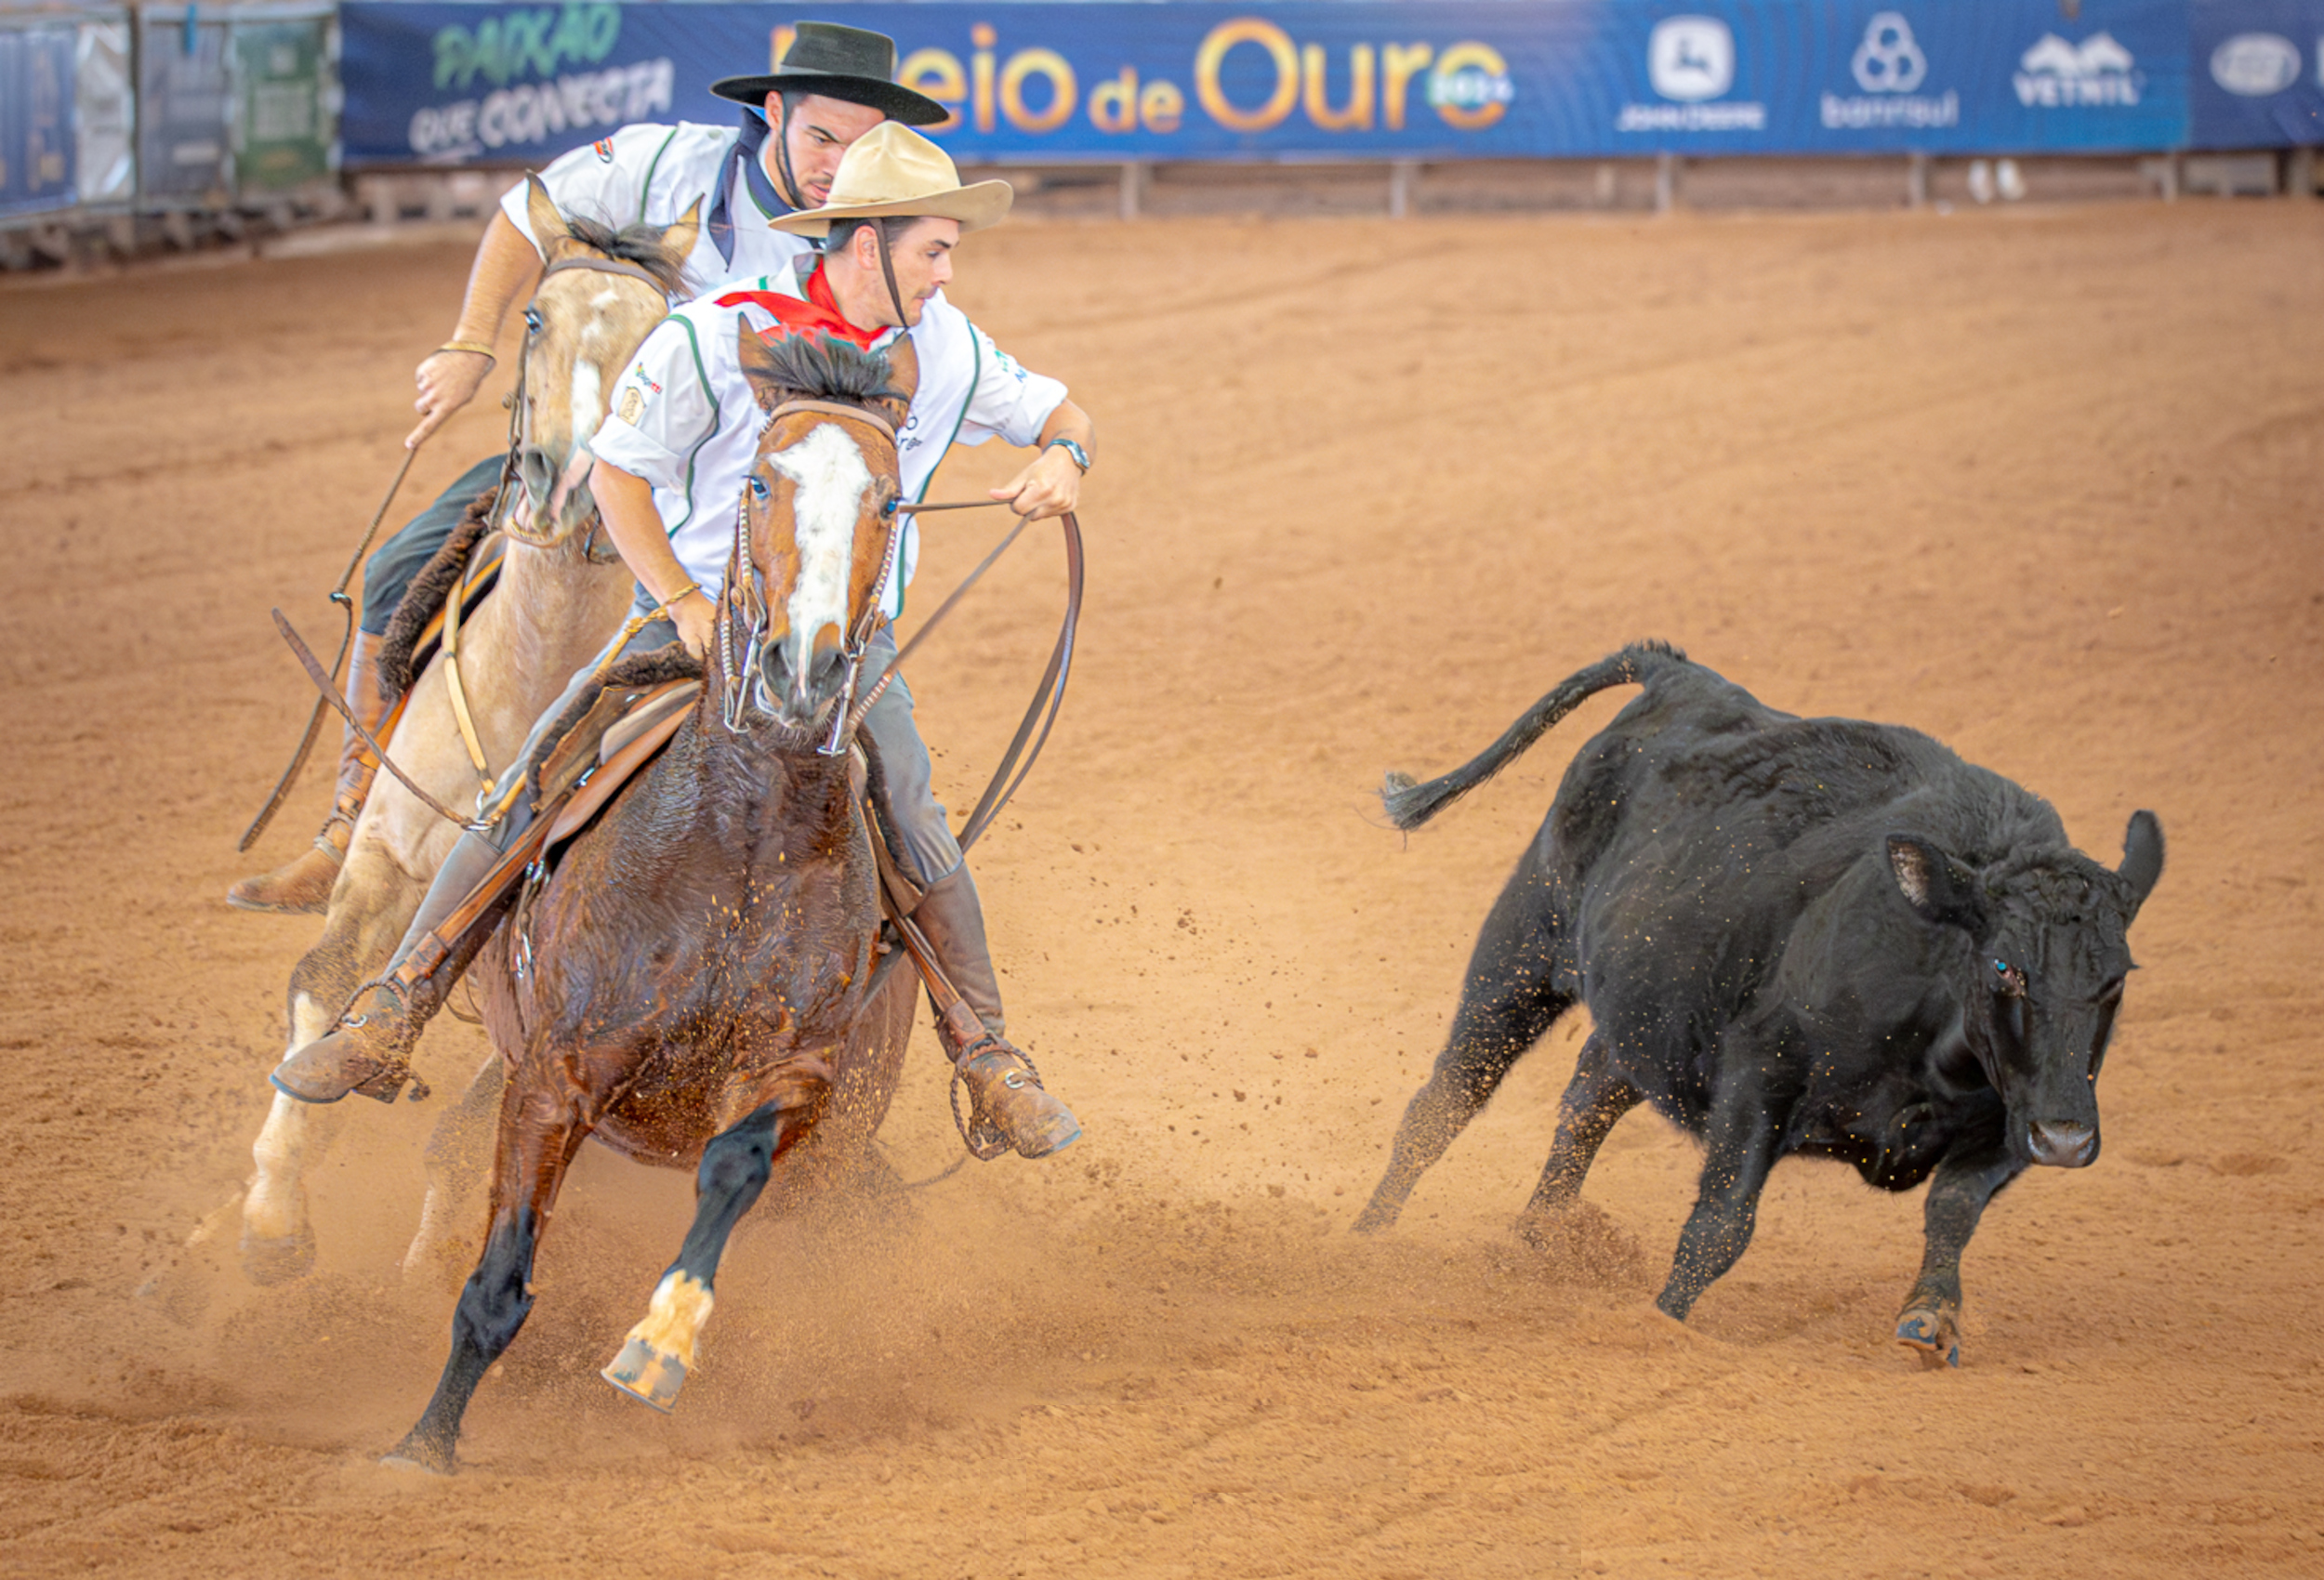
<point x="1410" y="805"/>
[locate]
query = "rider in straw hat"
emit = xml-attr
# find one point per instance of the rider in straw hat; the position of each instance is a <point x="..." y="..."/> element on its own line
<point x="833" y="85"/>
<point x="671" y="460"/>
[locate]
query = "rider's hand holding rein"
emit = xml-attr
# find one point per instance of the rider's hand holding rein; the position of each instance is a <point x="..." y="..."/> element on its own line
<point x="449" y="377"/>
<point x="1052" y="485"/>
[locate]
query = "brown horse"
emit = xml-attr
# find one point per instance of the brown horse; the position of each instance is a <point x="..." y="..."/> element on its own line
<point x="697" y="980"/>
<point x="554" y="607"/>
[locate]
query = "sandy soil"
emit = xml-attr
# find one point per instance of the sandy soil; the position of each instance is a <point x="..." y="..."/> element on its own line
<point x="2045" y="484"/>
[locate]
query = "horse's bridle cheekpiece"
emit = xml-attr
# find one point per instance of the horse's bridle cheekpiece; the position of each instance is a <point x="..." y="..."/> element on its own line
<point x="744" y="588"/>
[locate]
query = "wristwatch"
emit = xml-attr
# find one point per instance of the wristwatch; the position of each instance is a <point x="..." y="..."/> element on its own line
<point x="1080" y="458"/>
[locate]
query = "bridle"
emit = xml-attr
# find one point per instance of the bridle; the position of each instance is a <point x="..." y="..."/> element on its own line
<point x="456" y="689"/>
<point x="742" y="652"/>
<point x="515" y="398"/>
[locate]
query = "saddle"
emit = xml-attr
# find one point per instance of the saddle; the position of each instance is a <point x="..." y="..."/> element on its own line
<point x="608" y="735"/>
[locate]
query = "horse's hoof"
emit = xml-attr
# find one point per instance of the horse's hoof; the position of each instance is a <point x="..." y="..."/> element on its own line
<point x="278" y="1261"/>
<point x="650" y="1376"/>
<point x="1931" y="1336"/>
<point x="413" y="1454"/>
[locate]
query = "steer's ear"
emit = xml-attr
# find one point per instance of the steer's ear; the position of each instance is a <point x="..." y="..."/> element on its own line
<point x="1940" y="888"/>
<point x="2142" y="857"/>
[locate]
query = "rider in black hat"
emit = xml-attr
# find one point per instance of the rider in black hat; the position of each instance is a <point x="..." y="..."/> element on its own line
<point x="833" y="85"/>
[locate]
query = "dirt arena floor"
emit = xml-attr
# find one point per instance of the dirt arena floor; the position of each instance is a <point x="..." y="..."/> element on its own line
<point x="2045" y="484"/>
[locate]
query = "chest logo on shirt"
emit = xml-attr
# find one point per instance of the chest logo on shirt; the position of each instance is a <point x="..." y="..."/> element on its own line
<point x="604" y="147"/>
<point x="633" y="403"/>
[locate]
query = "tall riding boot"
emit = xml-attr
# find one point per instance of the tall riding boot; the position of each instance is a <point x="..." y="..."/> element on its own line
<point x="370" y="1050"/>
<point x="304" y="883"/>
<point x="1007" y="1095"/>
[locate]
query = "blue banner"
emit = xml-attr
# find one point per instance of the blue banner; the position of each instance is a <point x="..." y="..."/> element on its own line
<point x="2258" y="77"/>
<point x="36" y="165"/>
<point x="1028" y="81"/>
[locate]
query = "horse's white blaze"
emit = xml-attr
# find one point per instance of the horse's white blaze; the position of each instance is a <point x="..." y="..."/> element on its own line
<point x="829" y="468"/>
<point x="587" y="410"/>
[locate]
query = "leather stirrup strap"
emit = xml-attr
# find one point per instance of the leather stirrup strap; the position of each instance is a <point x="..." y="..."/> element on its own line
<point x="458" y="692"/>
<point x="478" y="908"/>
<point x="953" y="1014"/>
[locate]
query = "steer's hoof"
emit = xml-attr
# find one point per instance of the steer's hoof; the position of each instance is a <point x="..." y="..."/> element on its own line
<point x="1932" y="1335"/>
<point x="650" y="1376"/>
<point x="278" y="1261"/>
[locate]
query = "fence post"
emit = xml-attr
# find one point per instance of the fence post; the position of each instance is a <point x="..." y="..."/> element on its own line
<point x="1404" y="175"/>
<point x="2300" y="174"/>
<point x="1133" y="190"/>
<point x="1666" y="182"/>
<point x="1917" y="181"/>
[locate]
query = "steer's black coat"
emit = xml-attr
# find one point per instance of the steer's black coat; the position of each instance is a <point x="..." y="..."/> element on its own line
<point x="1793" y="935"/>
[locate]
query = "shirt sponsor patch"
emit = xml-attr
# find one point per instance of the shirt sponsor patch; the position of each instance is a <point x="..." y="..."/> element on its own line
<point x="633" y="403"/>
<point x="604" y="147"/>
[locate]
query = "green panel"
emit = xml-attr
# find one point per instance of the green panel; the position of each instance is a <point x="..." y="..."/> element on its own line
<point x="286" y="128"/>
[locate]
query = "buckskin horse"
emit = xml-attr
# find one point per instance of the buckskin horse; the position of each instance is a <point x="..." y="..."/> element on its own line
<point x="695" y="979"/>
<point x="557" y="601"/>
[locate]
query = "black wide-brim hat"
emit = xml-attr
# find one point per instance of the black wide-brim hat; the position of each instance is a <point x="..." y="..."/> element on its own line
<point x="848" y="64"/>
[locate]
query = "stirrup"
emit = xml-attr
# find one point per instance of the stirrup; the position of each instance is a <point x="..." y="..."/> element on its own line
<point x="984" y="1136"/>
<point x="388" y="1072"/>
<point x="984" y="1139"/>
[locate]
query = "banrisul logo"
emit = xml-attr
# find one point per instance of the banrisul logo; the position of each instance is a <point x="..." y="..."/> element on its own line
<point x="2096" y="73"/>
<point x="1888" y="66"/>
<point x="1691" y="63"/>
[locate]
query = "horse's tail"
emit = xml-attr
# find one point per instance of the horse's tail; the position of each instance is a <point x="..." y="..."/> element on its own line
<point x="1412" y="803"/>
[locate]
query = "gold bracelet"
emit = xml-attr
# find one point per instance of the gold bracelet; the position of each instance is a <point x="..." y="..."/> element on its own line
<point x="477" y="346"/>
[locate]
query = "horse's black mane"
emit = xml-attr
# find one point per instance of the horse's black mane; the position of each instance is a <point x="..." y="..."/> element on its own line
<point x="641" y="244"/>
<point x="827" y="368"/>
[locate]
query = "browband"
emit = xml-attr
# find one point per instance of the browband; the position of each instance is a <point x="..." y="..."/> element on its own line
<point x="607" y="266"/>
<point x="837" y="409"/>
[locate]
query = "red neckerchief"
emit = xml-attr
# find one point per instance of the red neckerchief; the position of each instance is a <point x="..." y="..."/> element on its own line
<point x="819" y="313"/>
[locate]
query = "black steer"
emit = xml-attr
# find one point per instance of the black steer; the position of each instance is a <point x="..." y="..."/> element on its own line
<point x="1793" y="935"/>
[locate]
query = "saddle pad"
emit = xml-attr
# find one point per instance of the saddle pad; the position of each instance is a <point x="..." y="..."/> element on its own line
<point x="616" y="770"/>
<point x="483" y="577"/>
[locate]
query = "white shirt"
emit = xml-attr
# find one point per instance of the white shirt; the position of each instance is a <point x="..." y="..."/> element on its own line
<point x="684" y="418"/>
<point x="650" y="174"/>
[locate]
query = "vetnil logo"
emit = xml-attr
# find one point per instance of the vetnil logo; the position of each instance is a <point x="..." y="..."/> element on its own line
<point x="2097" y="73"/>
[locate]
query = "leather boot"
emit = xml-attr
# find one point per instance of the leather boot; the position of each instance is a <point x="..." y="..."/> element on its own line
<point x="1008" y="1100"/>
<point x="304" y="883"/>
<point x="370" y="1050"/>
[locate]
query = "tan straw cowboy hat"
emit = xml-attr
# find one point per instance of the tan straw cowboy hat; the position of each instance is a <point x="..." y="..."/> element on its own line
<point x="894" y="170"/>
